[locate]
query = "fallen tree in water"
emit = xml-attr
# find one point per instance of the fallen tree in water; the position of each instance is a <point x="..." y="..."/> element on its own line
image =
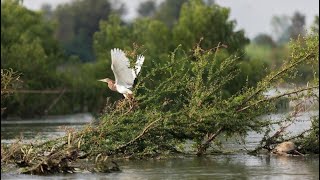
<point x="187" y="104"/>
<point x="38" y="161"/>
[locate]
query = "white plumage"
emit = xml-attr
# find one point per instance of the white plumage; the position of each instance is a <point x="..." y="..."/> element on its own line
<point x="124" y="75"/>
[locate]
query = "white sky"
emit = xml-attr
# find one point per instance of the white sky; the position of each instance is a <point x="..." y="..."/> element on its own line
<point x="254" y="16"/>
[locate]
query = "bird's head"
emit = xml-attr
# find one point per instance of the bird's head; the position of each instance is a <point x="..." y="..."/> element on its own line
<point x="111" y="83"/>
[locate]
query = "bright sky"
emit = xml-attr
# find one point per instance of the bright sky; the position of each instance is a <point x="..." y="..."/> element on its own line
<point x="252" y="15"/>
<point x="255" y="15"/>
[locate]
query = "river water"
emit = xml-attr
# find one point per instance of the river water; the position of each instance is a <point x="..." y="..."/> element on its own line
<point x="230" y="166"/>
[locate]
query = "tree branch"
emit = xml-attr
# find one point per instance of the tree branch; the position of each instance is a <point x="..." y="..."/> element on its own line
<point x="205" y="145"/>
<point x="276" y="75"/>
<point x="278" y="96"/>
<point x="145" y="130"/>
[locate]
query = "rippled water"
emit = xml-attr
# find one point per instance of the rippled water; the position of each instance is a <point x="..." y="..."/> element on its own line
<point x="41" y="129"/>
<point x="235" y="166"/>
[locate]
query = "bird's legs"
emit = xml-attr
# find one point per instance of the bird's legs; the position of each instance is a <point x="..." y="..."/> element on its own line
<point x="130" y="100"/>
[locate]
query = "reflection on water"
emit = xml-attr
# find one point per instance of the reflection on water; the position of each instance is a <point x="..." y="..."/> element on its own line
<point x="235" y="166"/>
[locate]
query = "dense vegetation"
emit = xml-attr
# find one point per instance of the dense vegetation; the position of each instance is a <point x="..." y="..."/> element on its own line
<point x="184" y="112"/>
<point x="190" y="104"/>
<point x="43" y="47"/>
<point x="61" y="53"/>
<point x="48" y="75"/>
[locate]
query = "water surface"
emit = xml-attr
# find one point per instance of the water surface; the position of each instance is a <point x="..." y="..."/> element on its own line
<point x="233" y="166"/>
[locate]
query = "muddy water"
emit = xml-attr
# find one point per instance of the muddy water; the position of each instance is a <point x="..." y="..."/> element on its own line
<point x="235" y="166"/>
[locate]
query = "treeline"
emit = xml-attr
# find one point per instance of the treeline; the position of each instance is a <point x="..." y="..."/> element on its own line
<point x="273" y="49"/>
<point x="68" y="48"/>
<point x="31" y="47"/>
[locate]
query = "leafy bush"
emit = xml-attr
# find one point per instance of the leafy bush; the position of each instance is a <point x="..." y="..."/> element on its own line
<point x="187" y="104"/>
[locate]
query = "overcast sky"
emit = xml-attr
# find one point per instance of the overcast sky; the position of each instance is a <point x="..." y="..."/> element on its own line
<point x="254" y="16"/>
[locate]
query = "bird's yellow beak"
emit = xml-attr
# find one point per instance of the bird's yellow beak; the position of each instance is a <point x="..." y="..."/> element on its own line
<point x="102" y="80"/>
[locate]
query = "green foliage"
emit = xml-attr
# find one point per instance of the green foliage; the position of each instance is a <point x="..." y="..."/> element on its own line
<point x="177" y="107"/>
<point x="260" y="52"/>
<point x="310" y="143"/>
<point x="264" y="40"/>
<point x="212" y="23"/>
<point x="274" y="57"/>
<point x="181" y="100"/>
<point x="85" y="94"/>
<point x="28" y="46"/>
<point x="310" y="70"/>
<point x="9" y="81"/>
<point x="77" y="22"/>
<point x="315" y="25"/>
<point x="187" y="105"/>
<point x="194" y="21"/>
<point x="169" y="11"/>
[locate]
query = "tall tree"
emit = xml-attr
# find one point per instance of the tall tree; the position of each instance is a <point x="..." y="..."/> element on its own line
<point x="285" y="27"/>
<point x="264" y="39"/>
<point x="197" y="20"/>
<point x="27" y="42"/>
<point x="147" y="8"/>
<point x="280" y="26"/>
<point x="169" y="11"/>
<point x="77" y="22"/>
<point x="297" y="25"/>
<point x="47" y="11"/>
<point x="28" y="47"/>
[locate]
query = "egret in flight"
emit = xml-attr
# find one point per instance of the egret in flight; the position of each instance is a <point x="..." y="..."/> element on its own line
<point x="124" y="75"/>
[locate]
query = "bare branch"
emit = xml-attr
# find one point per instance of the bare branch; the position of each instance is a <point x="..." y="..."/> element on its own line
<point x="278" y="96"/>
<point x="205" y="145"/>
<point x="277" y="75"/>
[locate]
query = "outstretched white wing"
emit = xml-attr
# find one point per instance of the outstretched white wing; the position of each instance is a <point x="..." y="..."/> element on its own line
<point x="120" y="66"/>
<point x="137" y="67"/>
